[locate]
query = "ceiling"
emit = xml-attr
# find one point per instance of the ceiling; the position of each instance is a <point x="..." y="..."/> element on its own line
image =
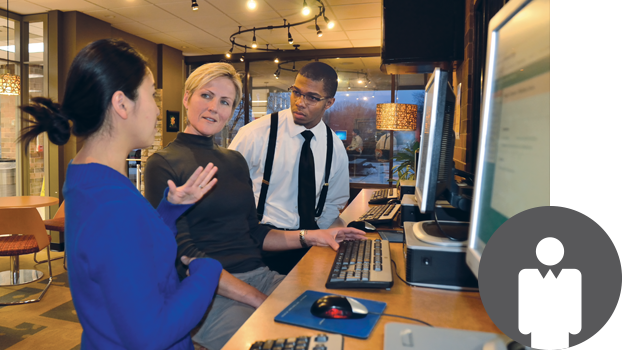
<point x="207" y="30"/>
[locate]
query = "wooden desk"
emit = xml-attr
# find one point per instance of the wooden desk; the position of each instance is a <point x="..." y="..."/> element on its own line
<point x="441" y="308"/>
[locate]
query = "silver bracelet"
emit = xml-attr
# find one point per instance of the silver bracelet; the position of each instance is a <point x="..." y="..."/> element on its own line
<point x="302" y="239"/>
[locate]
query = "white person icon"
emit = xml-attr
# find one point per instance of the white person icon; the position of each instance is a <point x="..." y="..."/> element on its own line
<point x="550" y="306"/>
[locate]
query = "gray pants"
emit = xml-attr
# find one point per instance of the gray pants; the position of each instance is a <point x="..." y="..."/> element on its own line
<point x="225" y="316"/>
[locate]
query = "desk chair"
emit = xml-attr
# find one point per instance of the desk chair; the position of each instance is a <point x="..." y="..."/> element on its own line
<point x="57" y="223"/>
<point x="22" y="232"/>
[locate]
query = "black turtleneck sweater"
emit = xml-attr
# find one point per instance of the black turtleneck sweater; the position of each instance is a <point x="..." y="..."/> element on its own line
<point x="222" y="225"/>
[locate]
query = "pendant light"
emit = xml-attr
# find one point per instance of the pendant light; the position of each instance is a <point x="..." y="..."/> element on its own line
<point x="9" y="83"/>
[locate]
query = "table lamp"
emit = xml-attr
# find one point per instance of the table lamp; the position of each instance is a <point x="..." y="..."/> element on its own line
<point x="395" y="117"/>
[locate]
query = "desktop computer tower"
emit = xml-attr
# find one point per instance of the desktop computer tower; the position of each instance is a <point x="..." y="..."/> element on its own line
<point x="435" y="261"/>
<point x="406" y="187"/>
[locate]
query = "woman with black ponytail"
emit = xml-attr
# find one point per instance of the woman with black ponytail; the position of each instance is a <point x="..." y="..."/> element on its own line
<point x="120" y="251"/>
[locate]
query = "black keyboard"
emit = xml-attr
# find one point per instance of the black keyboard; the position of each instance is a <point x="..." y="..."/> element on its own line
<point x="319" y="342"/>
<point x="361" y="264"/>
<point x="383" y="196"/>
<point x="380" y="213"/>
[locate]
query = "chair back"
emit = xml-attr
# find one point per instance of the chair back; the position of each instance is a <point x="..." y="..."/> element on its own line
<point x="24" y="221"/>
<point x="60" y="213"/>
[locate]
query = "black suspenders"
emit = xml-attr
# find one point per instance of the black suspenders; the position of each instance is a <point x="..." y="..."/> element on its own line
<point x="271" y="150"/>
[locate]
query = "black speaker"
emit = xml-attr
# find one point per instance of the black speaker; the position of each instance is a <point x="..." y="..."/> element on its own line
<point x="422" y="34"/>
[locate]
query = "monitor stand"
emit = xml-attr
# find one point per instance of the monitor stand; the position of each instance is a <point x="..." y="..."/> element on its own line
<point x="455" y="233"/>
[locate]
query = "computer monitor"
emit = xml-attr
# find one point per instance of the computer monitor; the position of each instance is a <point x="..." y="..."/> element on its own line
<point x="435" y="164"/>
<point x="342" y="134"/>
<point x="513" y="155"/>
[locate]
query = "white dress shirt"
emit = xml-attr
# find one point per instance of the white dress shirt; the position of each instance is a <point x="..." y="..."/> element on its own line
<point x="281" y="204"/>
<point x="384" y="142"/>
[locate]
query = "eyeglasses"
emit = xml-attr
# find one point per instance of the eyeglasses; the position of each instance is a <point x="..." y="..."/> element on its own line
<point x="308" y="99"/>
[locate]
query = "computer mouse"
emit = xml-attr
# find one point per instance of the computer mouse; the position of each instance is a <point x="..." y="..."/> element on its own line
<point x="362" y="225"/>
<point x="500" y="344"/>
<point x="338" y="306"/>
<point x="393" y="201"/>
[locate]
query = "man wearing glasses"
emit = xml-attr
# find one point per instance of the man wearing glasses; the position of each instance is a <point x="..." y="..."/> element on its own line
<point x="298" y="166"/>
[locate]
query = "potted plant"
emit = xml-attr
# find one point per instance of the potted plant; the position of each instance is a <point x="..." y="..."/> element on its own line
<point x="406" y="167"/>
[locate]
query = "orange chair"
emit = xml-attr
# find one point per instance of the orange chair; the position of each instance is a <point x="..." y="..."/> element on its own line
<point x="22" y="232"/>
<point x="57" y="223"/>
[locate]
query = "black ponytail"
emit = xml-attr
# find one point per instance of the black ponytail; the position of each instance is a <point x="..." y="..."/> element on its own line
<point x="48" y="118"/>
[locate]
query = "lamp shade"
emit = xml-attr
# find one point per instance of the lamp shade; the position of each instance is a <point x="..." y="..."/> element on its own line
<point x="9" y="84"/>
<point x="396" y="116"/>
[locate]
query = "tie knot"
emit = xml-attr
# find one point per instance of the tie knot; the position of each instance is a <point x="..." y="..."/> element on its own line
<point x="308" y="135"/>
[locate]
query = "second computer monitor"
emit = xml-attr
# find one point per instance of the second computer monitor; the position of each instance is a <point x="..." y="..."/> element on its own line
<point x="342" y="134"/>
<point x="434" y="169"/>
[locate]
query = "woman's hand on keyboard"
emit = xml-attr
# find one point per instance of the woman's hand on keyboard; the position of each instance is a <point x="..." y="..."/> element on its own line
<point x="333" y="236"/>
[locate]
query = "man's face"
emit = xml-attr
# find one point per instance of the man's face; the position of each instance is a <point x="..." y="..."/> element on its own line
<point x="307" y="113"/>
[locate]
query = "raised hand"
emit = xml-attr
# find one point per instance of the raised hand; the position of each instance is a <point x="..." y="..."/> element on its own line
<point x="195" y="188"/>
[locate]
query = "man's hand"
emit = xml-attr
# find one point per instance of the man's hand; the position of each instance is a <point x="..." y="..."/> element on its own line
<point x="333" y="236"/>
<point x="196" y="187"/>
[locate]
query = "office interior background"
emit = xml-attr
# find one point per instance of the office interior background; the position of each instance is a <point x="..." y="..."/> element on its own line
<point x="176" y="39"/>
<point x="39" y="38"/>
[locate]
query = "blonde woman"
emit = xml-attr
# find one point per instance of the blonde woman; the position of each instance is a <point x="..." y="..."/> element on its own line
<point x="223" y="225"/>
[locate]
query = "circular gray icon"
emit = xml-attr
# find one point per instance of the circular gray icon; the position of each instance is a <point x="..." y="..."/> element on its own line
<point x="550" y="278"/>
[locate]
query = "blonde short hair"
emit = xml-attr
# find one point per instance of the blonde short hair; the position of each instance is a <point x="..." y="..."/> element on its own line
<point x="211" y="71"/>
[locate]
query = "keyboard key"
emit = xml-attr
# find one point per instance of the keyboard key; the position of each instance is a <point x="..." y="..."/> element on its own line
<point x="321" y="338"/>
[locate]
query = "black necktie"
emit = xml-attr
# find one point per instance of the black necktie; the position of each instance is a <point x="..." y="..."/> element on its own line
<point x="306" y="194"/>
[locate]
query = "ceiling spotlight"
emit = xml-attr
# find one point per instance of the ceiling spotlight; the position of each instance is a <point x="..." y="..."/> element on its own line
<point x="346" y="94"/>
<point x="242" y="58"/>
<point x="290" y="37"/>
<point x="359" y="80"/>
<point x="254" y="44"/>
<point x="306" y="9"/>
<point x="251" y="4"/>
<point x="364" y="98"/>
<point x="328" y="22"/>
<point x="319" y="33"/>
<point x="194" y="5"/>
<point x="277" y="73"/>
<point x="276" y="60"/>
<point x="229" y="53"/>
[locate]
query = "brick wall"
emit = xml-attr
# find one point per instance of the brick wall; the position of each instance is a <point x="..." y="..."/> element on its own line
<point x="8" y="120"/>
<point x="158" y="139"/>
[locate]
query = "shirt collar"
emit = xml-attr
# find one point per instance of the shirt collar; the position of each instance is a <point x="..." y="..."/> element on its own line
<point x="293" y="129"/>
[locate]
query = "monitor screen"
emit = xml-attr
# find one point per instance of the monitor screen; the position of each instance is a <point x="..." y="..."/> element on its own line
<point x="436" y="147"/>
<point x="342" y="134"/>
<point x="513" y="155"/>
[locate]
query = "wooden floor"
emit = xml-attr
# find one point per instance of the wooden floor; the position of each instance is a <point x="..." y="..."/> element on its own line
<point x="49" y="324"/>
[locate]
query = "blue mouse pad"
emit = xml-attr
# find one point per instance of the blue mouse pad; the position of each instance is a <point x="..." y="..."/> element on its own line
<point x="298" y="314"/>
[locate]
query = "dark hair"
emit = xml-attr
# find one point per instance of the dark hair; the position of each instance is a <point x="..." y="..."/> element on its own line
<point x="320" y="71"/>
<point x="356" y="131"/>
<point x="99" y="70"/>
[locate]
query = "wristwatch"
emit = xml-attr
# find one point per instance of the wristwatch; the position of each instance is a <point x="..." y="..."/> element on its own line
<point x="302" y="238"/>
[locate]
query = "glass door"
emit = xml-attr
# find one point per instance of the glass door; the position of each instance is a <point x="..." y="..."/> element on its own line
<point x="10" y="184"/>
